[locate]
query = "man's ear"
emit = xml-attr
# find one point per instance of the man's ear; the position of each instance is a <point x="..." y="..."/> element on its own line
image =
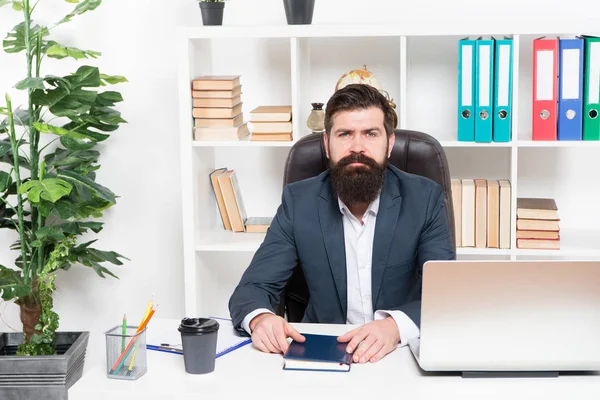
<point x="392" y="139"/>
<point x="326" y="142"/>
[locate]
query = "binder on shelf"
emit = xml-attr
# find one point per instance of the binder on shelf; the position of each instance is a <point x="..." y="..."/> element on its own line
<point x="503" y="76"/>
<point x="591" y="87"/>
<point x="484" y="88"/>
<point x="545" y="89"/>
<point x="466" y="87"/>
<point x="570" y="89"/>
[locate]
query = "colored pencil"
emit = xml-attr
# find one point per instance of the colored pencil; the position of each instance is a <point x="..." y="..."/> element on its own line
<point x="119" y="363"/>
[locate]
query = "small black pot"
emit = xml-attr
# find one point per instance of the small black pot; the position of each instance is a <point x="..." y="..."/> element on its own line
<point x="299" y="12"/>
<point x="212" y="12"/>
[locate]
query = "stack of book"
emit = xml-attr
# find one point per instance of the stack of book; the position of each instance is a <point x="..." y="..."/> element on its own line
<point x="217" y="108"/>
<point x="271" y="123"/>
<point x="537" y="224"/>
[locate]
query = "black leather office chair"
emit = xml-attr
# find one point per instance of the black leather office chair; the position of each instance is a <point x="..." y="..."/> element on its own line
<point x="414" y="152"/>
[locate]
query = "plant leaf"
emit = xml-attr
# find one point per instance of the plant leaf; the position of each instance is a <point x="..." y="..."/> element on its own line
<point x="71" y="159"/>
<point x="71" y="207"/>
<point x="110" y="256"/>
<point x="91" y="257"/>
<point x="3" y="125"/>
<point x="55" y="233"/>
<point x="47" y="128"/>
<point x="5" y="147"/>
<point x="6" y="154"/>
<point x="57" y="50"/>
<point x="69" y="89"/>
<point x="57" y="82"/>
<point x="113" y="79"/>
<point x="59" y="232"/>
<point x="77" y="102"/>
<point x="21" y="116"/>
<point x="18" y="5"/>
<point x="84" y="6"/>
<point x="15" y="40"/>
<point x="85" y="75"/>
<point x="5" y="181"/>
<point x="50" y="189"/>
<point x="84" y="129"/>
<point x="11" y="284"/>
<point x="108" y="98"/>
<point x="64" y="209"/>
<point x="48" y="98"/>
<point x="8" y="159"/>
<point x="84" y="183"/>
<point x="77" y="144"/>
<point x="30" y="83"/>
<point x="4" y="2"/>
<point x="8" y="223"/>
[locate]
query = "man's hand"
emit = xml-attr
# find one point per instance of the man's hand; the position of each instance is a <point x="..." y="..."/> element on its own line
<point x="270" y="333"/>
<point x="372" y="341"/>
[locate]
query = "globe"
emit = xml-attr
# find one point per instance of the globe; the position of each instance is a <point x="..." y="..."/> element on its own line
<point x="359" y="76"/>
<point x="364" y="76"/>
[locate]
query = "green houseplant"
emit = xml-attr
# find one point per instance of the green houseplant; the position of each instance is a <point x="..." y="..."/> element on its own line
<point x="212" y="11"/>
<point x="48" y="192"/>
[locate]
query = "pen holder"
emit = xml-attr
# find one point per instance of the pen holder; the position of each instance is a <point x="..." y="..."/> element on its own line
<point x="125" y="353"/>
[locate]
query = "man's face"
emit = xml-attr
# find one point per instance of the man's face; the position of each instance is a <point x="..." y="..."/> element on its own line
<point x="358" y="149"/>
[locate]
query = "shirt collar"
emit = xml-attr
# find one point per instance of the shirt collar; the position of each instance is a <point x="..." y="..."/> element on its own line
<point x="373" y="207"/>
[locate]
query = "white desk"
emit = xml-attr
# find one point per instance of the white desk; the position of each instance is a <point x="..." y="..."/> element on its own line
<point x="248" y="373"/>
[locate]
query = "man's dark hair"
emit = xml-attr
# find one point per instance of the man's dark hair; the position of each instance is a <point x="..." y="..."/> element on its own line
<point x="358" y="96"/>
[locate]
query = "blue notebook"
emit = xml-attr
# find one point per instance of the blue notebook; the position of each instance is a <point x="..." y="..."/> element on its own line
<point x="317" y="353"/>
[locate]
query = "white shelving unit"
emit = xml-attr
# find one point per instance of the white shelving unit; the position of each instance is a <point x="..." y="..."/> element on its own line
<point x="417" y="65"/>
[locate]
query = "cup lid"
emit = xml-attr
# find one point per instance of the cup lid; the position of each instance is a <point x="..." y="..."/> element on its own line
<point x="198" y="325"/>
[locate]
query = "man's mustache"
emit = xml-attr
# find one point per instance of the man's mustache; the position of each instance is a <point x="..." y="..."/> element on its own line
<point x="357" y="158"/>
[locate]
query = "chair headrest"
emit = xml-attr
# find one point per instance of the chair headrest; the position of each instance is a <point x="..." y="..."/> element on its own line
<point x="413" y="152"/>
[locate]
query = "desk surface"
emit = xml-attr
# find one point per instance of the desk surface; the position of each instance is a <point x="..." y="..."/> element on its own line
<point x="249" y="372"/>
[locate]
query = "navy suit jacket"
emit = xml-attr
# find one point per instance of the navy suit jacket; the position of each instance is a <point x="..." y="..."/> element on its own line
<point x="411" y="228"/>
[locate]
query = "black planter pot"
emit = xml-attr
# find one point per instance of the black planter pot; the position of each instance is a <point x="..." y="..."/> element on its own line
<point x="212" y="12"/>
<point x="299" y="12"/>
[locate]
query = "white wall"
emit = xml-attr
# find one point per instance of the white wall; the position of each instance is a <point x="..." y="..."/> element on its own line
<point x="141" y="162"/>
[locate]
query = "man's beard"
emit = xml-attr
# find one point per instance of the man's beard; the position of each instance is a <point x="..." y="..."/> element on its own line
<point x="357" y="183"/>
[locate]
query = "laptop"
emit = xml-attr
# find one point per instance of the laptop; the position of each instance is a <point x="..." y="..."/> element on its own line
<point x="519" y="317"/>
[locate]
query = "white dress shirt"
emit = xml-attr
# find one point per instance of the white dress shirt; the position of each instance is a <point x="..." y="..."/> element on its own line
<point x="358" y="238"/>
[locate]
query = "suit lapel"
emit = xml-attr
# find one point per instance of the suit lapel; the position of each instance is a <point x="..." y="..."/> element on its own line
<point x="332" y="229"/>
<point x="387" y="217"/>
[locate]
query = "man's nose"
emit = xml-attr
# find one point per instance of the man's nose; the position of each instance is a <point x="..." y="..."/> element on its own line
<point x="357" y="145"/>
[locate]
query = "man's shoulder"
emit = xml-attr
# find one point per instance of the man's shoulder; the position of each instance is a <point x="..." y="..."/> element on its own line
<point x="308" y="185"/>
<point x="413" y="184"/>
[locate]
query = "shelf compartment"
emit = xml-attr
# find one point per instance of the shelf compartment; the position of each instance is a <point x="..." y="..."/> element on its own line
<point x="322" y="62"/>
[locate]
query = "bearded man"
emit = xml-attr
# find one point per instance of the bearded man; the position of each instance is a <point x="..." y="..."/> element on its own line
<point x="361" y="231"/>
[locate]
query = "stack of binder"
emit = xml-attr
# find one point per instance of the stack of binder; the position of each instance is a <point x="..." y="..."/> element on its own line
<point x="566" y="88"/>
<point x="485" y="69"/>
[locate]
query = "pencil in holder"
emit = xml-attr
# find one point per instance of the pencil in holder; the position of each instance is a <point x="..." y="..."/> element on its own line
<point x="125" y="353"/>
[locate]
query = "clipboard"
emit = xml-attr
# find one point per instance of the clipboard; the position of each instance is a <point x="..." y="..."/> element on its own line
<point x="169" y="341"/>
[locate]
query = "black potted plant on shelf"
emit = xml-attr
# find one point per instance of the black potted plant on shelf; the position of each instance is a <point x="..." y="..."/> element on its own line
<point x="212" y="11"/>
<point x="299" y="12"/>
<point x="49" y="197"/>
